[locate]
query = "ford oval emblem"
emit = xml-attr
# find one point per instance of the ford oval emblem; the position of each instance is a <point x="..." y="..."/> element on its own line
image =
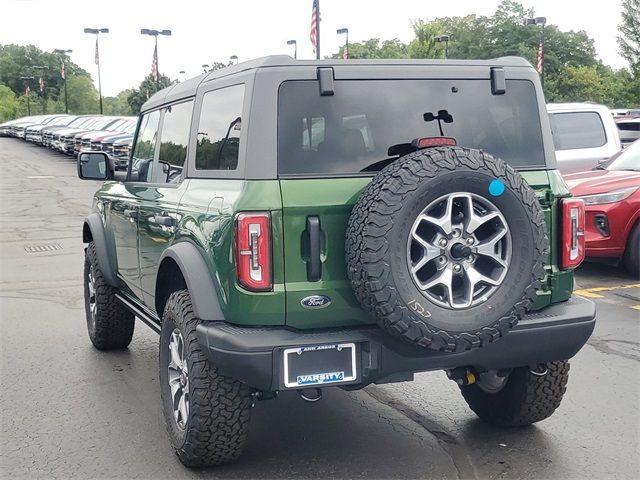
<point x="315" y="301"/>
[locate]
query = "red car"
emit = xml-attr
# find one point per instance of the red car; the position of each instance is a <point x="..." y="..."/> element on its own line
<point x="611" y="194"/>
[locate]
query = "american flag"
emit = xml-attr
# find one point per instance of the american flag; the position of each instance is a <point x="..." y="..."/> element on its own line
<point x="154" y="65"/>
<point x="97" y="59"/>
<point x="62" y="70"/>
<point x="315" y="26"/>
<point x="41" y="83"/>
<point x="540" y="58"/>
<point x="27" y="91"/>
<point x="345" y="52"/>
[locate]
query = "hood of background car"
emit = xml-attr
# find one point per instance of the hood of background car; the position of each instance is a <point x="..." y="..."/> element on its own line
<point x="96" y="133"/>
<point x="70" y="131"/>
<point x="118" y="137"/>
<point x="601" y="181"/>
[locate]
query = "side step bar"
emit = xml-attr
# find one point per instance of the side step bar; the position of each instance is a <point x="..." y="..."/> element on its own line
<point x="143" y="313"/>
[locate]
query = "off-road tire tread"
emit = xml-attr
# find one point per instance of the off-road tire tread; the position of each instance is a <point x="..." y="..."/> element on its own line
<point x="219" y="406"/>
<point x="525" y="399"/>
<point x="367" y="242"/>
<point x="114" y="322"/>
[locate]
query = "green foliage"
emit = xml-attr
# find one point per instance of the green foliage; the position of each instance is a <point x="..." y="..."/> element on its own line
<point x="17" y="61"/>
<point x="424" y="45"/>
<point x="82" y="94"/>
<point x="629" y="38"/>
<point x="374" y="49"/>
<point x="9" y="104"/>
<point x="147" y="88"/>
<point x="579" y="84"/>
<point x="118" y="105"/>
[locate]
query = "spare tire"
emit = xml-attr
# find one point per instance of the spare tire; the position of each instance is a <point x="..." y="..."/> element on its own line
<point x="446" y="248"/>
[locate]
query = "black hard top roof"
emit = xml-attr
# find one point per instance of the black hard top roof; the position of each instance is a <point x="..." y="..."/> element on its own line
<point x="188" y="87"/>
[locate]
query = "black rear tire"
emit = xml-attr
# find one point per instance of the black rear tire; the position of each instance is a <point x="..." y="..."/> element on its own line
<point x="631" y="259"/>
<point x="526" y="398"/>
<point x="219" y="410"/>
<point x="110" y="324"/>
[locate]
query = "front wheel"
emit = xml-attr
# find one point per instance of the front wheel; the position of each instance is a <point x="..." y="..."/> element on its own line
<point x="109" y="323"/>
<point x="207" y="414"/>
<point x="522" y="397"/>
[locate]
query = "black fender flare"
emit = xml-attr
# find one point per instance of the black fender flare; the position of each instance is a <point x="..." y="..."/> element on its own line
<point x="93" y="231"/>
<point x="203" y="291"/>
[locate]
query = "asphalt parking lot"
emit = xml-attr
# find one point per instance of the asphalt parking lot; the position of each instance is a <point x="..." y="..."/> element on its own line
<point x="70" y="411"/>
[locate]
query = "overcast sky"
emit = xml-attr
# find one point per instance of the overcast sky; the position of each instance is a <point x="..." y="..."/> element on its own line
<point x="213" y="30"/>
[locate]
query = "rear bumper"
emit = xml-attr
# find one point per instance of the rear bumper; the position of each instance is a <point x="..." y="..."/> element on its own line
<point x="254" y="355"/>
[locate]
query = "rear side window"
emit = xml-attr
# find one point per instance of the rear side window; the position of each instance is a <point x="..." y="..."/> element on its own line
<point x="353" y="131"/>
<point x="219" y="129"/>
<point x="577" y="130"/>
<point x="174" y="140"/>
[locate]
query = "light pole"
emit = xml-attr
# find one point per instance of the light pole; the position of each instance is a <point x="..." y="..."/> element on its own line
<point x="295" y="48"/>
<point x="542" y="21"/>
<point x="234" y="57"/>
<point x="345" y="52"/>
<point x="444" y="39"/>
<point x="63" y="73"/>
<point x="27" y="92"/>
<point x="41" y="84"/>
<point x="205" y="66"/>
<point x="154" y="69"/>
<point x="96" y="32"/>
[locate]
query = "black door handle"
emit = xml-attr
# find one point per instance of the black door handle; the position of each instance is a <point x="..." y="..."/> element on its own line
<point x="314" y="265"/>
<point x="131" y="214"/>
<point x="165" y="220"/>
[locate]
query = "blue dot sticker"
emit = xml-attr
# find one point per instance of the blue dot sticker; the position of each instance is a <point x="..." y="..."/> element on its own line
<point x="496" y="187"/>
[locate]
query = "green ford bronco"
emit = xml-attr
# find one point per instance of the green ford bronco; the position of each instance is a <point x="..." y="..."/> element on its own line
<point x="296" y="225"/>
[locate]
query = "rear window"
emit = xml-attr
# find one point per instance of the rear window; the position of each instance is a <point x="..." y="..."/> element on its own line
<point x="354" y="130"/>
<point x="629" y="126"/>
<point x="577" y="130"/>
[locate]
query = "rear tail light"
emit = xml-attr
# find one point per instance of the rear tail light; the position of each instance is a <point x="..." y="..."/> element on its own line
<point x="572" y="233"/>
<point x="253" y="251"/>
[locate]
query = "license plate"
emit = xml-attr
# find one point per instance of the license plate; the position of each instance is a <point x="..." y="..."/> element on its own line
<point x="319" y="365"/>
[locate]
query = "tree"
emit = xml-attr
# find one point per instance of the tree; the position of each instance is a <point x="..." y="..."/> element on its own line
<point x="579" y="84"/>
<point x="147" y="88"/>
<point x="82" y="94"/>
<point x="19" y="60"/>
<point x="629" y="38"/>
<point x="424" y="45"/>
<point x="372" y="48"/>
<point x="118" y="105"/>
<point x="9" y="105"/>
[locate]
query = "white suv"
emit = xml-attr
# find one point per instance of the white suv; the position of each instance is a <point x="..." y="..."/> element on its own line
<point x="584" y="134"/>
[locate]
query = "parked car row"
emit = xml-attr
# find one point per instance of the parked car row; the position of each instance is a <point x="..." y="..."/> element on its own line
<point x="71" y="134"/>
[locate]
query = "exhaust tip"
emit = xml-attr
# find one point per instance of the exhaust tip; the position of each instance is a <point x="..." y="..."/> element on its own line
<point x="311" y="395"/>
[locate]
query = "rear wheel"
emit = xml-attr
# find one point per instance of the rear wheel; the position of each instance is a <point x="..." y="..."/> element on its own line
<point x="520" y="398"/>
<point x="631" y="259"/>
<point x="207" y="414"/>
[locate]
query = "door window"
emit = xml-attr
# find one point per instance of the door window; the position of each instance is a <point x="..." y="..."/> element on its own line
<point x="174" y="140"/>
<point x="219" y="129"/>
<point x="143" y="152"/>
